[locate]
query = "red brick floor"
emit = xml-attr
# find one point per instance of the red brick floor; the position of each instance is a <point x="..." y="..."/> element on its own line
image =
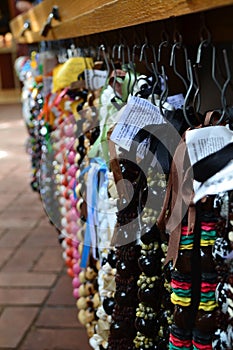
<point x="37" y="309"/>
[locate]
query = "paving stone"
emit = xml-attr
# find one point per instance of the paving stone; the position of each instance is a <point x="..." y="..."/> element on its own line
<point x="10" y="185"/>
<point x="23" y="260"/>
<point x="62" y="292"/>
<point x="50" y="260"/>
<point x="37" y="309"/>
<point x="43" y="237"/>
<point x="7" y="221"/>
<point x="14" y="322"/>
<point x="5" y="254"/>
<point x="26" y="279"/>
<point x="28" y="200"/>
<point x="23" y="214"/>
<point x="56" y="339"/>
<point x="6" y="199"/>
<point x="58" y="317"/>
<point x="22" y="296"/>
<point x="13" y="237"/>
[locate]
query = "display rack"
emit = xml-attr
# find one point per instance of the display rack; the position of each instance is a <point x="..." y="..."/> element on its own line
<point x="80" y="18"/>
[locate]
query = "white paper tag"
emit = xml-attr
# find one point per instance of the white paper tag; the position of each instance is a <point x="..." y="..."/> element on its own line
<point x="200" y="144"/>
<point x="176" y="101"/>
<point x="137" y="114"/>
<point x="205" y="141"/>
<point x="95" y="78"/>
<point x="220" y="182"/>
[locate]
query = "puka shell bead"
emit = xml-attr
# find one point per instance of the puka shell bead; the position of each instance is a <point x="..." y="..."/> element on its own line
<point x="78" y="190"/>
<point x="76" y="282"/>
<point x="59" y="157"/>
<point x="62" y="189"/>
<point x="64" y="222"/>
<point x="63" y="211"/>
<point x="80" y="248"/>
<point x="77" y="174"/>
<point x="71" y="157"/>
<point x="80" y="235"/>
<point x="82" y="277"/>
<point x="64" y="232"/>
<point x="76" y="143"/>
<point x="75" y="293"/>
<point x="76" y="269"/>
<point x="77" y="158"/>
<point x="56" y="134"/>
<point x="82" y="291"/>
<point x="79" y="204"/>
<point x="64" y="256"/>
<point x="81" y="303"/>
<point x="57" y="146"/>
<point x="82" y="317"/>
<point x="64" y="244"/>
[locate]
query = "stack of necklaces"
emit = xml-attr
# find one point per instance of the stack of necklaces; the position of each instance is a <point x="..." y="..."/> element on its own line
<point x="196" y="293"/>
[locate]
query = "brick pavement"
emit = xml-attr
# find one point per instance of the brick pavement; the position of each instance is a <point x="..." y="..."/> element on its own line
<point x="37" y="310"/>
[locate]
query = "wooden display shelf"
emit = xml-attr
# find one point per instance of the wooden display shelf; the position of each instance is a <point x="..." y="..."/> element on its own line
<point x="80" y="18"/>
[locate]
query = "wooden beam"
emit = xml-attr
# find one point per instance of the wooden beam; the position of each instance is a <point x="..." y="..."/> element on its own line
<point x="80" y="18"/>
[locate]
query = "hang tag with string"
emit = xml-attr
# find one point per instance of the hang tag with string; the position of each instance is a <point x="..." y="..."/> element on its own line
<point x="137" y="114"/>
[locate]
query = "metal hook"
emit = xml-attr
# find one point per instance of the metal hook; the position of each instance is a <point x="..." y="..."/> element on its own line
<point x="143" y="55"/>
<point x="213" y="68"/>
<point x="164" y="43"/>
<point x="178" y="45"/>
<point x="130" y="68"/>
<point x="186" y="99"/>
<point x="48" y="24"/>
<point x="164" y="94"/>
<point x="223" y="92"/>
<point x="127" y="67"/>
<point x="113" y="51"/>
<point x="203" y="44"/>
<point x="197" y="96"/>
<point x="26" y="26"/>
<point x="205" y="39"/>
<point x="101" y="48"/>
<point x="204" y="31"/>
<point x="135" y="46"/>
<point x="121" y="52"/>
<point x="156" y="75"/>
<point x="133" y="52"/>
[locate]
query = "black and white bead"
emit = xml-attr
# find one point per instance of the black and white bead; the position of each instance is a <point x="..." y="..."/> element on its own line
<point x="220" y="249"/>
